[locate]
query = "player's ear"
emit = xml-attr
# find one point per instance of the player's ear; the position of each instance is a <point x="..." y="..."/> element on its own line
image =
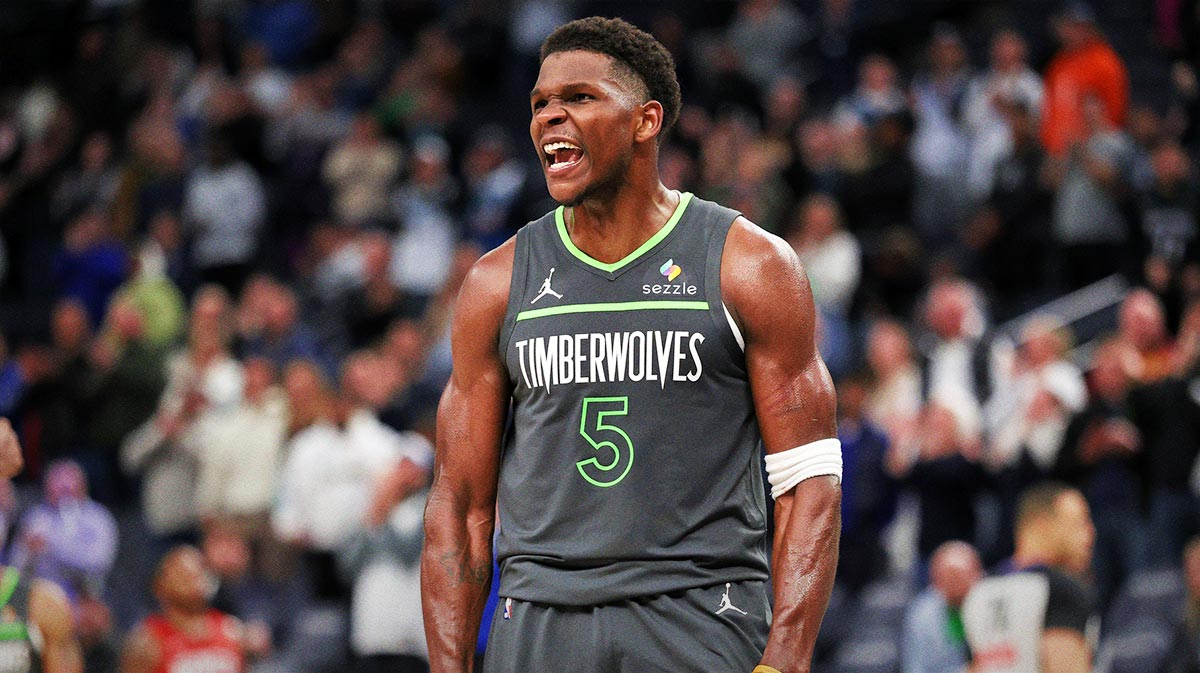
<point x="651" y="121"/>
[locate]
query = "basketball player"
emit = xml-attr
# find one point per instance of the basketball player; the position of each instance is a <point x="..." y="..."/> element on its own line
<point x="187" y="635"/>
<point x="631" y="511"/>
<point x="1039" y="618"/>
<point x="37" y="628"/>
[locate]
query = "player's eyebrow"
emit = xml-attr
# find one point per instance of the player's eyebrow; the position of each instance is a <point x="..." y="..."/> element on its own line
<point x="569" y="86"/>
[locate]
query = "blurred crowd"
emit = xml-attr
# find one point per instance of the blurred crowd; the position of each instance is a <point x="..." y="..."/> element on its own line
<point x="233" y="231"/>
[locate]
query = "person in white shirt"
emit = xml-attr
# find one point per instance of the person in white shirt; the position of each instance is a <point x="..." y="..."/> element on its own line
<point x="387" y="632"/>
<point x="331" y="468"/>
<point x="203" y="380"/>
<point x="240" y="455"/>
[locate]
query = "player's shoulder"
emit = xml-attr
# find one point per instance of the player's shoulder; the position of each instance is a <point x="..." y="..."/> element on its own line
<point x="752" y="248"/>
<point x="486" y="284"/>
<point x="760" y="269"/>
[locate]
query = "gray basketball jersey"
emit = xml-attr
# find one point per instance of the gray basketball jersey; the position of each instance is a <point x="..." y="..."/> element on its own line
<point x="631" y="466"/>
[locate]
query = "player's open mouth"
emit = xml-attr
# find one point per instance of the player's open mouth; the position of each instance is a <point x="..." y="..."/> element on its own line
<point x="562" y="155"/>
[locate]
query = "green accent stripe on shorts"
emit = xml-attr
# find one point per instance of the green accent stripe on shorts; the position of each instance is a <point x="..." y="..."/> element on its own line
<point x="684" y="199"/>
<point x="611" y="307"/>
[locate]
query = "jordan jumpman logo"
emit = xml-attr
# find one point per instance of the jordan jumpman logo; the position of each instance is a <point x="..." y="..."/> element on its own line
<point x="726" y="604"/>
<point x="546" y="288"/>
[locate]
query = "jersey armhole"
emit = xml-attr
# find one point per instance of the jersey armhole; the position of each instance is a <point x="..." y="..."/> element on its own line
<point x="731" y="335"/>
<point x="516" y="290"/>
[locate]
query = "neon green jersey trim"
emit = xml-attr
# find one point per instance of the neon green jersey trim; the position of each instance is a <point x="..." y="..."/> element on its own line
<point x="13" y="631"/>
<point x="609" y="307"/>
<point x="8" y="584"/>
<point x="684" y="199"/>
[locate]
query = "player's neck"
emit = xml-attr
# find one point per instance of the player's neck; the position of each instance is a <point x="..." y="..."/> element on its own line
<point x="610" y="227"/>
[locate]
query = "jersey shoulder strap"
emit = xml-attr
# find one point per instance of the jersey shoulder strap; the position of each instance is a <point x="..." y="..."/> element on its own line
<point x="520" y="274"/>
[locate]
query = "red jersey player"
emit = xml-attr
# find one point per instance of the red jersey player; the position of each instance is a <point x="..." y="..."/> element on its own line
<point x="187" y="634"/>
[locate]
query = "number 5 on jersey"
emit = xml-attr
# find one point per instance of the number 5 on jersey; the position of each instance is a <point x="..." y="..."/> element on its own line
<point x="605" y="439"/>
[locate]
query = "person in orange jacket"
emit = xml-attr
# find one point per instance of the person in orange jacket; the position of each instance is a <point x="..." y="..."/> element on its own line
<point x="1086" y="66"/>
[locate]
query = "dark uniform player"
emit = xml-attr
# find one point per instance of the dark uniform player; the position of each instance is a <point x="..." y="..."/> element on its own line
<point x="1038" y="618"/>
<point x="37" y="628"/>
<point x="647" y="340"/>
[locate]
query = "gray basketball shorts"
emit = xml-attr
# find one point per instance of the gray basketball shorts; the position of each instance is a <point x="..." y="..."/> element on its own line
<point x="716" y="629"/>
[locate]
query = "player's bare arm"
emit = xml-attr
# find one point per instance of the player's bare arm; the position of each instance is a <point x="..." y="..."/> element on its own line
<point x="795" y="404"/>
<point x="11" y="461"/>
<point x="456" y="564"/>
<point x="50" y="611"/>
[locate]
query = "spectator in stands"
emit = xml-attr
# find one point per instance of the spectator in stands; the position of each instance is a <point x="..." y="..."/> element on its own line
<point x="166" y="246"/>
<point x="1009" y="80"/>
<point x="224" y="210"/>
<point x="1010" y="236"/>
<point x="878" y="199"/>
<point x="962" y="362"/>
<point x="868" y="492"/>
<point x="1184" y="650"/>
<point x="268" y="86"/>
<point x="940" y="145"/>
<point x="1167" y="210"/>
<point x="151" y="292"/>
<point x="91" y="184"/>
<point x="1101" y="455"/>
<point x="68" y="538"/>
<point x="359" y="171"/>
<point x="946" y="476"/>
<point x="309" y="399"/>
<point x="283" y="335"/>
<point x="1092" y="178"/>
<point x="876" y="95"/>
<point x="383" y="560"/>
<point x="1085" y="68"/>
<point x="203" y="380"/>
<point x="934" y="640"/>
<point x="831" y="255"/>
<point x="495" y="182"/>
<point x="154" y="178"/>
<point x="91" y="264"/>
<point x="56" y="400"/>
<point x="895" y="400"/>
<point x="1142" y="326"/>
<point x="371" y="307"/>
<point x="186" y="634"/>
<point x="1039" y="617"/>
<point x="241" y="454"/>
<point x="814" y="165"/>
<point x="1167" y="416"/>
<point x="768" y="34"/>
<point x="422" y="249"/>
<point x="330" y="468"/>
<point x="1028" y="419"/>
<point x="127" y="377"/>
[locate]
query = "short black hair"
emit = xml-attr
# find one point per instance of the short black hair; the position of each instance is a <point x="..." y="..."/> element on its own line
<point x="630" y="47"/>
<point x="1040" y="500"/>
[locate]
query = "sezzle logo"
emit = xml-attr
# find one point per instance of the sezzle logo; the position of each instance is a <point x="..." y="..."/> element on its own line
<point x="670" y="270"/>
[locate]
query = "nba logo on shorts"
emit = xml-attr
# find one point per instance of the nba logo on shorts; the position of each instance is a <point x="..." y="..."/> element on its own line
<point x="508" y="608"/>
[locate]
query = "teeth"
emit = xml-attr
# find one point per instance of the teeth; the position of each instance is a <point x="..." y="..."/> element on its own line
<point x="550" y="148"/>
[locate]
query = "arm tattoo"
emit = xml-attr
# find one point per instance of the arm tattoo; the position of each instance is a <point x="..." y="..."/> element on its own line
<point x="457" y="564"/>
